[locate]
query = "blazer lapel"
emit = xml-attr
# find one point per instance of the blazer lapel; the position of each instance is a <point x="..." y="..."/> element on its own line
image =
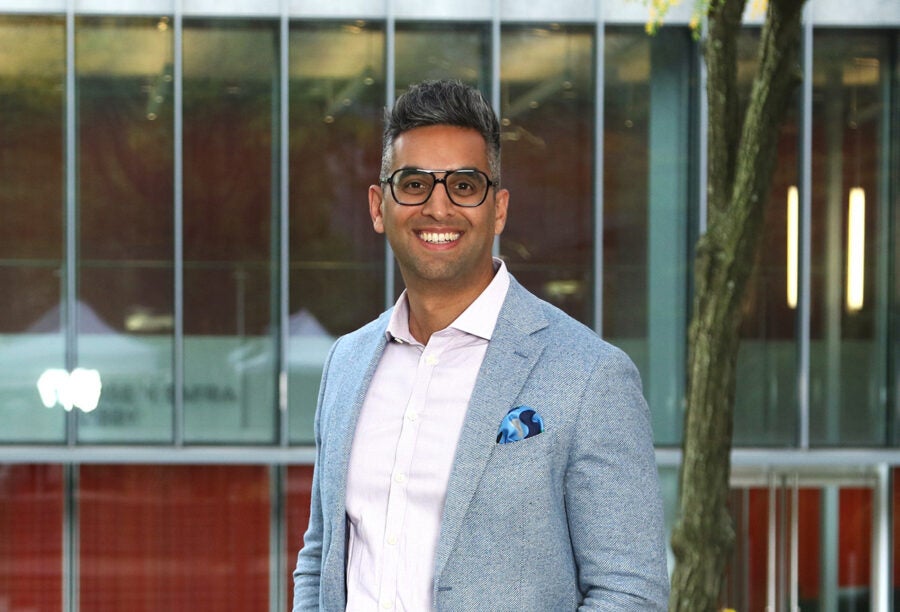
<point x="512" y="353"/>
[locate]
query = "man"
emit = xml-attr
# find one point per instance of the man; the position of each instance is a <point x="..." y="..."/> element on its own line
<point x="476" y="448"/>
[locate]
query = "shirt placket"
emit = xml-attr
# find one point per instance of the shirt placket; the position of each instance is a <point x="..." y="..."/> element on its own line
<point x="403" y="460"/>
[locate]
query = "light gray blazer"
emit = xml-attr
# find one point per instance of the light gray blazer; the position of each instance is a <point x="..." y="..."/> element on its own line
<point x="568" y="519"/>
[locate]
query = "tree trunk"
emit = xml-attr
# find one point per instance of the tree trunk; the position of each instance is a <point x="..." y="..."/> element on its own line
<point x="741" y="162"/>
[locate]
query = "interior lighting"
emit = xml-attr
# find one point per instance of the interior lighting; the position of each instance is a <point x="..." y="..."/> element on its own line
<point x="856" y="247"/>
<point x="79" y="388"/>
<point x="793" y="238"/>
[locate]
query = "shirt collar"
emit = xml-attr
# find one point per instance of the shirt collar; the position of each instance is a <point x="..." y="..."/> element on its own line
<point x="479" y="319"/>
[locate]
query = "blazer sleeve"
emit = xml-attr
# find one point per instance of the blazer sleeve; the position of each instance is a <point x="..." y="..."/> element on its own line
<point x="307" y="574"/>
<point x="614" y="507"/>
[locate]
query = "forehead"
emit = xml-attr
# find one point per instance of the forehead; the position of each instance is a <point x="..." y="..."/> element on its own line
<point x="439" y="147"/>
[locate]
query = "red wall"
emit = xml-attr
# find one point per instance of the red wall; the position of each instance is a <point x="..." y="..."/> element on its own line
<point x="31" y="537"/>
<point x="174" y="538"/>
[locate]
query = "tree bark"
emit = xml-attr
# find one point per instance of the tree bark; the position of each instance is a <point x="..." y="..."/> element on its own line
<point x="741" y="163"/>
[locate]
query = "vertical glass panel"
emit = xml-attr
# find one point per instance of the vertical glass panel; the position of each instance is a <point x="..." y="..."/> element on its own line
<point x="745" y="585"/>
<point x="850" y="235"/>
<point x="176" y="538"/>
<point x="855" y="549"/>
<point x="547" y="113"/>
<point x="765" y="411"/>
<point x="32" y="102"/>
<point x="646" y="190"/>
<point x="833" y="533"/>
<point x="230" y="212"/>
<point x="299" y="487"/>
<point x="336" y="258"/>
<point x="31" y="537"/>
<point x="125" y="294"/>
<point x="442" y="51"/>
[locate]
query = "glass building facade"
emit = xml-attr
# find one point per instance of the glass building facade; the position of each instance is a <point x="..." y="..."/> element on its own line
<point x="184" y="234"/>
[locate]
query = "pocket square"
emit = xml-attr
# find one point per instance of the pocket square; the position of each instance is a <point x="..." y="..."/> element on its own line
<point x="518" y="424"/>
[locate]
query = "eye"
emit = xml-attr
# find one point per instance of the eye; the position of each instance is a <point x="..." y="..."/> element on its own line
<point x="413" y="182"/>
<point x="463" y="186"/>
<point x="466" y="183"/>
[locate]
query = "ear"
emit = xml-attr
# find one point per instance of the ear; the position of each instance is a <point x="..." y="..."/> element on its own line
<point x="376" y="207"/>
<point x="501" y="203"/>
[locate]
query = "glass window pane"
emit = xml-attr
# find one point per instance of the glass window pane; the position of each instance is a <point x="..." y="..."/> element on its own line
<point x="230" y="209"/>
<point x="646" y="195"/>
<point x="31" y="235"/>
<point x="765" y="410"/>
<point x="547" y="114"/>
<point x="31" y="537"/>
<point x="336" y="258"/>
<point x="850" y="238"/>
<point x="442" y="51"/>
<point x="125" y="287"/>
<point x="175" y="538"/>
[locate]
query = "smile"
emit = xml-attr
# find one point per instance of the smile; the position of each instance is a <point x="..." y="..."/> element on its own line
<point x="439" y="237"/>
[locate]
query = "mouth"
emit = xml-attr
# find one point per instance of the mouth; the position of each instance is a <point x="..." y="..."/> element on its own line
<point x="438" y="237"/>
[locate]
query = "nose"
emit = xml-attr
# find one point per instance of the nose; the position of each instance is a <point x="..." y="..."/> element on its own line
<point x="438" y="204"/>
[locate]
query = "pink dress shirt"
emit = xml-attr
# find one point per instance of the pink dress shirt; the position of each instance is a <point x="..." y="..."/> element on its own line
<point x="403" y="451"/>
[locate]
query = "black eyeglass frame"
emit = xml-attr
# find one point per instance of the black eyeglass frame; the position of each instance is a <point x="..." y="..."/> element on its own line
<point x="435" y="180"/>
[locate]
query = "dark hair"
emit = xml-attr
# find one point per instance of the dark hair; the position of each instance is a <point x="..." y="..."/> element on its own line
<point x="442" y="103"/>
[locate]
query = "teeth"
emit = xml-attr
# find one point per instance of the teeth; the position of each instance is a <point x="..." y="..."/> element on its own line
<point x="439" y="237"/>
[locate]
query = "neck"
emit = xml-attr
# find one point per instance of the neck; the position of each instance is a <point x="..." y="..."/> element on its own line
<point x="432" y="309"/>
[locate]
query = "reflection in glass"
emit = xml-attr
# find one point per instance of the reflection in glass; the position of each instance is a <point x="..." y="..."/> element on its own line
<point x="230" y="207"/>
<point x="32" y="62"/>
<point x="336" y="259"/>
<point x="766" y="389"/>
<point x="646" y="190"/>
<point x="442" y="51"/>
<point x="125" y="286"/>
<point x="849" y="337"/>
<point x="547" y="115"/>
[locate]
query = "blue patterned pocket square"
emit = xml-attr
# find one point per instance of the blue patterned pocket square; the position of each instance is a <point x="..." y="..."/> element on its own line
<point x="518" y="424"/>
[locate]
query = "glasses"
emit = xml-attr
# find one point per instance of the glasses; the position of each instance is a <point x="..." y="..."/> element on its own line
<point x="413" y="186"/>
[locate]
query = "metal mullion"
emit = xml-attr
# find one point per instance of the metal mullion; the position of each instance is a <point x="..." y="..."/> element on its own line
<point x="178" y="228"/>
<point x="390" y="27"/>
<point x="882" y="263"/>
<point x="772" y="557"/>
<point x="795" y="545"/>
<point x="599" y="109"/>
<point x="70" y="548"/>
<point x="70" y="272"/>
<point x="702" y="138"/>
<point x="804" y="306"/>
<point x="283" y="234"/>
<point x="277" y="528"/>
<point x="71" y="532"/>
<point x="277" y="538"/>
<point x="882" y="532"/>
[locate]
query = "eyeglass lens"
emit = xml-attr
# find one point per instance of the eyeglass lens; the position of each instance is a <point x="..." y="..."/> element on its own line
<point x="464" y="187"/>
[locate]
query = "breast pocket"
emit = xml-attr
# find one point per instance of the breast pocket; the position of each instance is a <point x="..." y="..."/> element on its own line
<point x="524" y="468"/>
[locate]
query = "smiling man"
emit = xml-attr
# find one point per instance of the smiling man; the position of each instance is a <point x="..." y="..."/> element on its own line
<point x="476" y="448"/>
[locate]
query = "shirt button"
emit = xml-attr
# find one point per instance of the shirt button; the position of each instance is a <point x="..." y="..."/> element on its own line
<point x="431" y="360"/>
<point x="412" y="416"/>
<point x="400" y="477"/>
<point x="387" y="604"/>
<point x="392" y="540"/>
